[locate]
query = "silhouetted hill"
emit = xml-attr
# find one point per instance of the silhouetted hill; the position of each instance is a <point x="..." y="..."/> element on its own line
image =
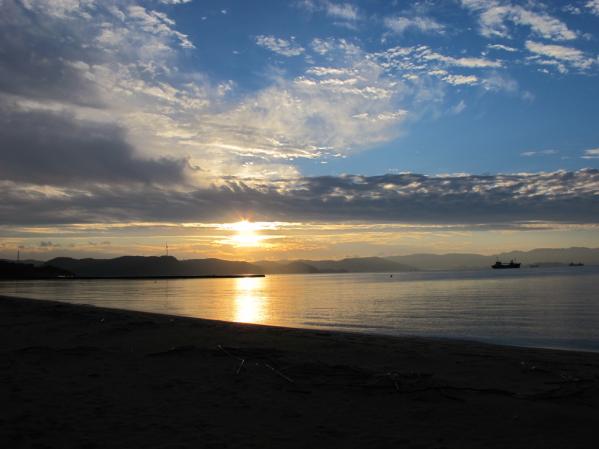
<point x="130" y="266"/>
<point x="140" y="266"/>
<point x="445" y="261"/>
<point x="541" y="256"/>
<point x="12" y="270"/>
<point x="588" y="256"/>
<point x="295" y="267"/>
<point x="358" y="265"/>
<point x="218" y="267"/>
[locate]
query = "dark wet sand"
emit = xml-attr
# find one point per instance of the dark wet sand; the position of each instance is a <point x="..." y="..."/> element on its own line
<point x="84" y="377"/>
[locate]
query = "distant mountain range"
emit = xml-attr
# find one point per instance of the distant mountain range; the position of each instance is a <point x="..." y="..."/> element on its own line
<point x="541" y="257"/>
<point x="134" y="266"/>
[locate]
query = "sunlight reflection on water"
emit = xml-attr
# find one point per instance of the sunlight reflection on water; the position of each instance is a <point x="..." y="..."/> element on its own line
<point x="542" y="307"/>
<point x="250" y="305"/>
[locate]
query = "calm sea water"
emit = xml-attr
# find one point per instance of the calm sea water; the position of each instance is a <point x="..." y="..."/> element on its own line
<point x="557" y="308"/>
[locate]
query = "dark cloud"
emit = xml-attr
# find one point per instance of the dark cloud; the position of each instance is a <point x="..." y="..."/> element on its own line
<point x="564" y="197"/>
<point x="48" y="244"/>
<point x="43" y="60"/>
<point x="37" y="64"/>
<point x="42" y="147"/>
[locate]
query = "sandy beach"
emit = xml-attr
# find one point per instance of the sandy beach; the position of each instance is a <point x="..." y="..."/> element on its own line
<point x="83" y="377"/>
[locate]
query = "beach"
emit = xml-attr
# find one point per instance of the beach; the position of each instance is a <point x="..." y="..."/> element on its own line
<point x="75" y="376"/>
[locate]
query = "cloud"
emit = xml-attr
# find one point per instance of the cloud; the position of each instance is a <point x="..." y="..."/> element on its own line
<point x="459" y="107"/>
<point x="560" y="54"/>
<point x="79" y="92"/>
<point x="116" y="74"/>
<point x="559" y="197"/>
<point x="120" y="75"/>
<point x="157" y="23"/>
<point x="345" y="12"/>
<point x="468" y="62"/>
<point x="48" y="244"/>
<point x="593" y="5"/>
<point x="336" y="48"/>
<point x="412" y="58"/>
<point x="46" y="147"/>
<point x="421" y="62"/>
<point x="571" y="9"/>
<point x="281" y="46"/>
<point x="328" y="110"/>
<point x="30" y="68"/>
<point x="123" y="73"/>
<point x="593" y="153"/>
<point x="494" y="16"/>
<point x="538" y="152"/>
<point x="400" y="25"/>
<point x="110" y="124"/>
<point x="502" y="47"/>
<point x="459" y="80"/>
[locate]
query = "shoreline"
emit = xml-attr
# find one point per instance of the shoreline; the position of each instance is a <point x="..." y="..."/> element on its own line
<point x="307" y="330"/>
<point x="70" y="372"/>
<point x="332" y="329"/>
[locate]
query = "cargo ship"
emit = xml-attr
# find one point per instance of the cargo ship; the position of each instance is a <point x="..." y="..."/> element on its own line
<point x="499" y="265"/>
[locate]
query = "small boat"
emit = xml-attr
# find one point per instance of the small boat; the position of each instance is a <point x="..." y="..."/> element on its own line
<point x="579" y="264"/>
<point x="534" y="265"/>
<point x="499" y="265"/>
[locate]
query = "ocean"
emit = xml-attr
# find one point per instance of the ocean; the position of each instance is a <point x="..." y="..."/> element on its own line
<point x="537" y="307"/>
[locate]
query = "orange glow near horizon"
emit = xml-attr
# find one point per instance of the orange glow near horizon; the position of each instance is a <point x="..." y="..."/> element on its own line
<point x="246" y="234"/>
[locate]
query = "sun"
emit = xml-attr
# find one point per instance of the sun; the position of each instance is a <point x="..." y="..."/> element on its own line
<point x="246" y="234"/>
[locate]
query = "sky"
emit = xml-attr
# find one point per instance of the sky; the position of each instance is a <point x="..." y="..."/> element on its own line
<point x="299" y="129"/>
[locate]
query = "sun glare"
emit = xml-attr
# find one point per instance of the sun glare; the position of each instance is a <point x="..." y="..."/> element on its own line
<point x="246" y="234"/>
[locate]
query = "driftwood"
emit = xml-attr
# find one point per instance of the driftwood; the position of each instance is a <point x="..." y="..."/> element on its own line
<point x="243" y="363"/>
<point x="276" y="371"/>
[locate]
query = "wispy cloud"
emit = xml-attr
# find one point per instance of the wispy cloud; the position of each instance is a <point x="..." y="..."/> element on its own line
<point x="572" y="9"/>
<point x="593" y="153"/>
<point x="560" y="55"/>
<point x="423" y="62"/>
<point x="468" y="62"/>
<point x="496" y="15"/>
<point x="279" y="45"/>
<point x="343" y="11"/>
<point x="400" y="25"/>
<point x="459" y="80"/>
<point x="337" y="10"/>
<point x="459" y="107"/>
<point x="593" y="5"/>
<point x="502" y="47"/>
<point x="326" y="110"/>
<point x="156" y="23"/>
<point x="538" y="153"/>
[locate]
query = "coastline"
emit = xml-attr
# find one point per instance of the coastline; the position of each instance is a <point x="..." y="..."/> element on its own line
<point x="133" y="278"/>
<point x="83" y="376"/>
